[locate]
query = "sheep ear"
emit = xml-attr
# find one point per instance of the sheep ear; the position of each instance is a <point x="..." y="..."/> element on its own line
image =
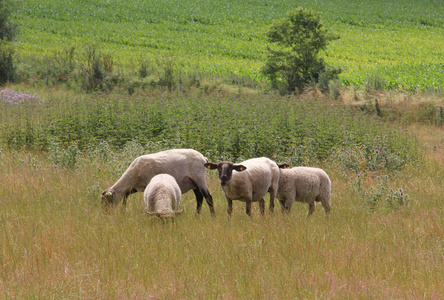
<point x="210" y="166"/>
<point x="239" y="168"/>
<point x="283" y="166"/>
<point x="107" y="194"/>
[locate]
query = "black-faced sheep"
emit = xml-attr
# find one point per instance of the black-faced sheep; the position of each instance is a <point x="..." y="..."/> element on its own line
<point x="162" y="196"/>
<point x="248" y="181"/>
<point x="304" y="184"/>
<point x="185" y="165"/>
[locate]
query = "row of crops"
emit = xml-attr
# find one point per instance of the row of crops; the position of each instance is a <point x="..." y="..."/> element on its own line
<point x="398" y="40"/>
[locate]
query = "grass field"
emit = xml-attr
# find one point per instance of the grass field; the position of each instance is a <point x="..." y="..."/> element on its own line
<point x="397" y="41"/>
<point x="60" y="147"/>
<point x="56" y="242"/>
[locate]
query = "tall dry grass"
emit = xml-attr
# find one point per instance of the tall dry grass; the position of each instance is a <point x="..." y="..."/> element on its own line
<point x="57" y="242"/>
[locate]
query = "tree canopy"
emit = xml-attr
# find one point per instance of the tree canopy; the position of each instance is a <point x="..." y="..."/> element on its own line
<point x="296" y="41"/>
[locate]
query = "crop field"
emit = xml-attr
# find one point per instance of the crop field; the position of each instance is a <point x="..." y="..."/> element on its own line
<point x="60" y="147"/>
<point x="399" y="41"/>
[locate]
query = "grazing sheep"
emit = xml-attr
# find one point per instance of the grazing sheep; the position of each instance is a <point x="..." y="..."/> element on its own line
<point x="185" y="165"/>
<point x="304" y="184"/>
<point x="162" y="196"/>
<point x="248" y="181"/>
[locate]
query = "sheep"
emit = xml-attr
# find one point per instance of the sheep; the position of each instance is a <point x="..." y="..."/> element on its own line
<point x="304" y="184"/>
<point x="185" y="165"/>
<point x="248" y="182"/>
<point x="162" y="196"/>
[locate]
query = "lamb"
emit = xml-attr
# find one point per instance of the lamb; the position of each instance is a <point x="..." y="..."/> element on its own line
<point x="162" y="196"/>
<point x="185" y="165"/>
<point x="304" y="184"/>
<point x="248" y="182"/>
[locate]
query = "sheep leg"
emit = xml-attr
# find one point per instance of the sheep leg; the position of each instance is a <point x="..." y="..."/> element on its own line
<point x="273" y="193"/>
<point x="283" y="208"/>
<point x="230" y="206"/>
<point x="311" y="208"/>
<point x="271" y="208"/>
<point x="262" y="206"/>
<point x="288" y="204"/>
<point x="325" y="204"/>
<point x="199" y="199"/>
<point x="285" y="205"/>
<point x="327" y="208"/>
<point x="201" y="192"/>
<point x="248" y="207"/>
<point x="209" y="200"/>
<point x="125" y="197"/>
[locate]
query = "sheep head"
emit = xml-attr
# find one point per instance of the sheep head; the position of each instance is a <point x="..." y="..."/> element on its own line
<point x="225" y="169"/>
<point x="107" y="197"/>
<point x="283" y="166"/>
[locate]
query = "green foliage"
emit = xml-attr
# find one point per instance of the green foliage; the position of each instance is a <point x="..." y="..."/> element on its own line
<point x="8" y="28"/>
<point x="93" y="66"/>
<point x="8" y="31"/>
<point x="375" y="82"/>
<point x="379" y="196"/>
<point x="167" y="78"/>
<point x="62" y="64"/>
<point x="222" y="38"/>
<point x="401" y="41"/>
<point x="369" y="153"/>
<point x="294" y="60"/>
<point x="233" y="127"/>
<point x="7" y="61"/>
<point x="61" y="156"/>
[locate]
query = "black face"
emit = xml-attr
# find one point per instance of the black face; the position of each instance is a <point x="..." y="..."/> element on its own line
<point x="107" y="197"/>
<point x="225" y="169"/>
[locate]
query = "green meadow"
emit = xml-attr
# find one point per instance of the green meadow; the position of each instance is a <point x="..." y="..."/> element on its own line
<point x="61" y="146"/>
<point x="399" y="41"/>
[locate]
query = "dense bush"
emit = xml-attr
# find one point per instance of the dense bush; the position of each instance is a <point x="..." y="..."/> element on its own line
<point x="232" y="127"/>
<point x="294" y="61"/>
<point x="8" y="31"/>
<point x="8" y="28"/>
<point x="7" y="64"/>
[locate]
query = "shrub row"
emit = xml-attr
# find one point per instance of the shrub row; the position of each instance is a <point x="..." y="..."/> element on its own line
<point x="232" y="127"/>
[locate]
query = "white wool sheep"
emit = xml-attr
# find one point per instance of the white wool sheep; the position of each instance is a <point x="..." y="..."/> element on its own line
<point x="185" y="165"/>
<point x="304" y="184"/>
<point x="248" y="181"/>
<point x="162" y="196"/>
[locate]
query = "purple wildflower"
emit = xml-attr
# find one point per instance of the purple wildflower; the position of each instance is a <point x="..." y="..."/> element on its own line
<point x="11" y="97"/>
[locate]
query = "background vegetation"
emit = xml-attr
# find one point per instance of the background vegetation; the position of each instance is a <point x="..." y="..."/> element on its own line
<point x="397" y="41"/>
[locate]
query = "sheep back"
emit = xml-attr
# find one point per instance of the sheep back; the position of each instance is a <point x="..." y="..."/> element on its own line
<point x="304" y="184"/>
<point x="261" y="175"/>
<point x="185" y="165"/>
<point x="162" y="195"/>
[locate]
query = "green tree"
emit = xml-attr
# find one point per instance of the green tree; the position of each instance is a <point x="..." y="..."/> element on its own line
<point x="8" y="31"/>
<point x="296" y="41"/>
